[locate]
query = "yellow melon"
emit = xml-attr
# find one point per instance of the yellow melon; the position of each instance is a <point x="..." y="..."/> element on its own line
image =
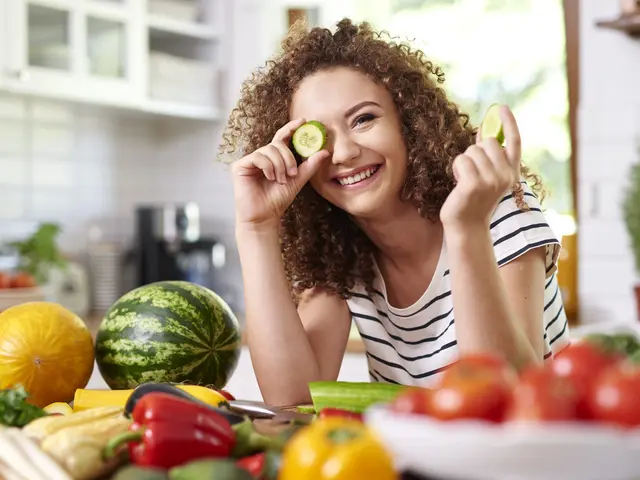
<point x="45" y="348"/>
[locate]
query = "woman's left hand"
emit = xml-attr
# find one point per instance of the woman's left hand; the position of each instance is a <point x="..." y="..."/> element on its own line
<point x="484" y="174"/>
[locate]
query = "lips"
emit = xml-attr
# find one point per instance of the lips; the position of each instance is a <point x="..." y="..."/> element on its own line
<point x="357" y="177"/>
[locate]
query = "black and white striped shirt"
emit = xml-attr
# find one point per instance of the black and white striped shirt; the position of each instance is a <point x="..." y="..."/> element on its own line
<point x="411" y="345"/>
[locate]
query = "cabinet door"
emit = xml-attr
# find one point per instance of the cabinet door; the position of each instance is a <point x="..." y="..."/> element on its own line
<point x="70" y="49"/>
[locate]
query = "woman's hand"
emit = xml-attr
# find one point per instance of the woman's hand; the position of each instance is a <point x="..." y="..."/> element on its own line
<point x="267" y="181"/>
<point x="484" y="173"/>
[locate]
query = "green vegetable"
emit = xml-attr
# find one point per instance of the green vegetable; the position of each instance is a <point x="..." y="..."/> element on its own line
<point x="14" y="410"/>
<point x="352" y="396"/>
<point x="250" y="441"/>
<point x="39" y="252"/>
<point x="635" y="358"/>
<point x="218" y="469"/>
<point x="309" y="138"/>
<point x="272" y="464"/>
<point x="306" y="409"/>
<point x="168" y="332"/>
<point x="492" y="124"/>
<point x="625" y="344"/>
<point x="132" y="472"/>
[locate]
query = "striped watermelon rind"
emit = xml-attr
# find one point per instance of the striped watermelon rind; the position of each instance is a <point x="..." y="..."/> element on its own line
<point x="171" y="331"/>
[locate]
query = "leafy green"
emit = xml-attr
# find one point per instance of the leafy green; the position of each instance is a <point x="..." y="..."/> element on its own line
<point x="631" y="212"/>
<point x="39" y="252"/>
<point x="14" y="410"/>
<point x="625" y="344"/>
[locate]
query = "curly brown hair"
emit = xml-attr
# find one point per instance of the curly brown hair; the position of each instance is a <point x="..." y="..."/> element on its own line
<point x="321" y="245"/>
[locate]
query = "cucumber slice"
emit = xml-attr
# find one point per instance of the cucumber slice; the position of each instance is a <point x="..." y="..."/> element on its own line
<point x="492" y="125"/>
<point x="309" y="138"/>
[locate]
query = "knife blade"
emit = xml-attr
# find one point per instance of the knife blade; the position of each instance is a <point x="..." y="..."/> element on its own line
<point x="255" y="409"/>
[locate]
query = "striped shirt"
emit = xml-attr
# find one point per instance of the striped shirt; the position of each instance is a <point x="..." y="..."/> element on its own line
<point x="411" y="345"/>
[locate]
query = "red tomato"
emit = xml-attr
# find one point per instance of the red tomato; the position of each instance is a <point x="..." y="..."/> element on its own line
<point x="22" y="280"/>
<point x="5" y="281"/>
<point x="581" y="363"/>
<point x="614" y="396"/>
<point x="475" y="387"/>
<point x="541" y="395"/>
<point x="411" y="400"/>
<point x="226" y="394"/>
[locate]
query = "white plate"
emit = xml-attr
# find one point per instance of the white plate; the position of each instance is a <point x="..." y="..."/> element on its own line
<point x="468" y="450"/>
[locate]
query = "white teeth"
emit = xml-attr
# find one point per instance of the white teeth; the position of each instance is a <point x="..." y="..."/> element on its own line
<point x="358" y="177"/>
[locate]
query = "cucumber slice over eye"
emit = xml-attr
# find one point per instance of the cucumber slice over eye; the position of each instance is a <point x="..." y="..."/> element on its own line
<point x="309" y="138"/>
<point x="492" y="125"/>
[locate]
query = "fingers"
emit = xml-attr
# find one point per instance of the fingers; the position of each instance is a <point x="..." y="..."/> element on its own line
<point x="286" y="131"/>
<point x="263" y="163"/>
<point x="484" y="165"/>
<point x="512" y="137"/>
<point x="287" y="156"/>
<point x="279" y="165"/>
<point x="465" y="170"/>
<point x="309" y="167"/>
<point x="492" y="168"/>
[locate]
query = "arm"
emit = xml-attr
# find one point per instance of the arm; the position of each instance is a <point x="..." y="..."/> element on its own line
<point x="288" y="349"/>
<point x="498" y="310"/>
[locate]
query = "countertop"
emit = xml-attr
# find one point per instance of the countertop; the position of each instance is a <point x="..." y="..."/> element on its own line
<point x="354" y="344"/>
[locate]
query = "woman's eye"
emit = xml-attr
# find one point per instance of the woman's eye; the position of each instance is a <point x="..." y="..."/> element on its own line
<point x="367" y="117"/>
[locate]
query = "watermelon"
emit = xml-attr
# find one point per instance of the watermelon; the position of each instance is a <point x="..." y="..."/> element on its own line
<point x="170" y="331"/>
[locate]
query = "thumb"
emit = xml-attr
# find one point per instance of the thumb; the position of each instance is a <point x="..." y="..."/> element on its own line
<point x="309" y="167"/>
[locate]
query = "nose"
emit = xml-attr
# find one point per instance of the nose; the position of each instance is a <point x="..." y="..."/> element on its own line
<point x="344" y="149"/>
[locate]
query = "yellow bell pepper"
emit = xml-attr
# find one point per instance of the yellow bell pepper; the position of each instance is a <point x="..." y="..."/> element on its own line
<point x="336" y="448"/>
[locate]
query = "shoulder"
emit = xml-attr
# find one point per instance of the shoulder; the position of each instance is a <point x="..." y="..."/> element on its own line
<point x="515" y="230"/>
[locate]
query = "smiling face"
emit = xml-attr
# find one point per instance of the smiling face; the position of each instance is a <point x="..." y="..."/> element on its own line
<point x="368" y="155"/>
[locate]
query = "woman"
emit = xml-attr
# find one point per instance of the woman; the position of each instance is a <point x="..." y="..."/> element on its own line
<point x="407" y="223"/>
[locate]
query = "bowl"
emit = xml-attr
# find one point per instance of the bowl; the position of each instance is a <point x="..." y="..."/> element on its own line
<point x="475" y="450"/>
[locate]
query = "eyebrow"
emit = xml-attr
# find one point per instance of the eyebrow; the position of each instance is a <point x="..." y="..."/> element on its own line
<point x="358" y="106"/>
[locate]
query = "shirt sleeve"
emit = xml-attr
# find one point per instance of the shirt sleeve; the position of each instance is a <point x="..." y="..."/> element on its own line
<point x="516" y="230"/>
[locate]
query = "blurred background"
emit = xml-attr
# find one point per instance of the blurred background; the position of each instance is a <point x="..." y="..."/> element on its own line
<point x="111" y="112"/>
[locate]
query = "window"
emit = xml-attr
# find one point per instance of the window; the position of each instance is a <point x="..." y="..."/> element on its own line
<point x="507" y="51"/>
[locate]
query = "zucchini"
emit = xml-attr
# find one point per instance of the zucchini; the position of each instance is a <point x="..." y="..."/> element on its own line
<point x="352" y="396"/>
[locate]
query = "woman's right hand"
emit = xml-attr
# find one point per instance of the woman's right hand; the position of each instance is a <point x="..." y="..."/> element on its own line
<point x="266" y="181"/>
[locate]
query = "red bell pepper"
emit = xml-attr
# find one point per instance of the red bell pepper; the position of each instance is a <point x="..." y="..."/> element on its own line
<point x="337" y="412"/>
<point x="254" y="464"/>
<point x="168" y="431"/>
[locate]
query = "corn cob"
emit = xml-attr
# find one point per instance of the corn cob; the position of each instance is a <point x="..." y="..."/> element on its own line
<point x="79" y="449"/>
<point x="45" y="426"/>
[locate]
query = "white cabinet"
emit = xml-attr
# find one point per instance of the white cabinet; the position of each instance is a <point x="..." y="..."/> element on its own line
<point x="159" y="56"/>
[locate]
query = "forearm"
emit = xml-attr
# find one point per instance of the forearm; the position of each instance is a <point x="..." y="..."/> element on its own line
<point x="485" y="320"/>
<point x="281" y="353"/>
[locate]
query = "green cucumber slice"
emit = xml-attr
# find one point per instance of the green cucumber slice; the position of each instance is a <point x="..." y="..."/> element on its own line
<point x="309" y="138"/>
<point x="492" y="125"/>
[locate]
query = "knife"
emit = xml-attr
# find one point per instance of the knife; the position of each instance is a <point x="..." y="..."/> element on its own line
<point x="260" y="410"/>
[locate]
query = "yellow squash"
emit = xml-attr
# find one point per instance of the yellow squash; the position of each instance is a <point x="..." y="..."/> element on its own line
<point x="45" y="348"/>
<point x="85" y="399"/>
